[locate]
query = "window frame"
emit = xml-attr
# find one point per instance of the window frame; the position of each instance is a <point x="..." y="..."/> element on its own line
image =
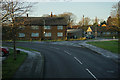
<point x="34" y="34"/>
<point x="108" y="33"/>
<point x="48" y="34"/>
<point x="35" y="27"/>
<point x="58" y="34"/>
<point x="104" y="33"/>
<point x="22" y="27"/>
<point x="47" y="27"/>
<point x="60" y="27"/>
<point x="21" y="36"/>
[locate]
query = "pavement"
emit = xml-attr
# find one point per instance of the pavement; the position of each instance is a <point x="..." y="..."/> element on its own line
<point x="33" y="64"/>
<point x="32" y="67"/>
<point x="106" y="53"/>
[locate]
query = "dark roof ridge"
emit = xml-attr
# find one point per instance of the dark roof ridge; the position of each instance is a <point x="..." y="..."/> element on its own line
<point x="40" y="20"/>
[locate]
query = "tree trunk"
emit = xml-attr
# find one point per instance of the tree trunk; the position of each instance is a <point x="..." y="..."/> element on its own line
<point x="14" y="32"/>
<point x="14" y="43"/>
<point x="119" y="31"/>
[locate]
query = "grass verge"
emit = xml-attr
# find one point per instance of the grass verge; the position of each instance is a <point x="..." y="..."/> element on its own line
<point x="10" y="66"/>
<point x="108" y="45"/>
<point x="29" y="49"/>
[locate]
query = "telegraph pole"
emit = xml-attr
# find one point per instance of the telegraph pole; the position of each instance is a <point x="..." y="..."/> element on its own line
<point x="83" y="27"/>
<point x="83" y="20"/>
<point x="96" y="21"/>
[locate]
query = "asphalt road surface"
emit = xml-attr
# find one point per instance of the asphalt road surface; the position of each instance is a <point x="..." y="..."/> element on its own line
<point x="63" y="61"/>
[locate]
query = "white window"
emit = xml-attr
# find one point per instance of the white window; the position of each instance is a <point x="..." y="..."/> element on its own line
<point x="59" y="27"/>
<point x="22" y="27"/>
<point x="112" y="32"/>
<point x="104" y="33"/>
<point x="21" y="35"/>
<point x="59" y="34"/>
<point x="35" y="27"/>
<point x="35" y="34"/>
<point x="98" y="33"/>
<point x="116" y="32"/>
<point x="108" y="33"/>
<point x="47" y="34"/>
<point x="89" y="33"/>
<point x="47" y="27"/>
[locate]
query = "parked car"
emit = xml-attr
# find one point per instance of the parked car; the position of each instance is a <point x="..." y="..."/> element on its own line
<point x="4" y="51"/>
<point x="90" y="36"/>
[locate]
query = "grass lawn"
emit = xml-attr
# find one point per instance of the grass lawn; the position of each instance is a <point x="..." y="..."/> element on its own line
<point x="10" y="66"/>
<point x="110" y="37"/>
<point x="108" y="45"/>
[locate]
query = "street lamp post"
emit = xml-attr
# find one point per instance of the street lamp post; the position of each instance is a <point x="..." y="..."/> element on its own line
<point x="44" y="28"/>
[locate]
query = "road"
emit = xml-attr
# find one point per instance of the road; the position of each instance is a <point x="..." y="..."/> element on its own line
<point x="64" y="61"/>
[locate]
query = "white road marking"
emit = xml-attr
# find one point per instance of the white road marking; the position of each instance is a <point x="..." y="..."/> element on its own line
<point x="78" y="46"/>
<point x="110" y="71"/>
<point x="54" y="47"/>
<point x="67" y="52"/>
<point x="78" y="60"/>
<point x="92" y="74"/>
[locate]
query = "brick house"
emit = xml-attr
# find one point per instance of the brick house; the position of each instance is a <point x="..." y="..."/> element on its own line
<point x="74" y="33"/>
<point x="102" y="31"/>
<point x="42" y="28"/>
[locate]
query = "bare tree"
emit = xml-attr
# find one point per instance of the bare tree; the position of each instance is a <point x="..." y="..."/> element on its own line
<point x="10" y="10"/>
<point x="115" y="13"/>
<point x="95" y="25"/>
<point x="115" y="10"/>
<point x="80" y="23"/>
<point x="87" y="21"/>
<point x="119" y="15"/>
<point x="70" y="17"/>
<point x="115" y="19"/>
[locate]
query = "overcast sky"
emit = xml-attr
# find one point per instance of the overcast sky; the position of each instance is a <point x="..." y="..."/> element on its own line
<point x="71" y="0"/>
<point x="89" y="8"/>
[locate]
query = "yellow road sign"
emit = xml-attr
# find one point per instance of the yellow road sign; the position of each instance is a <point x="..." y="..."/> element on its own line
<point x="89" y="29"/>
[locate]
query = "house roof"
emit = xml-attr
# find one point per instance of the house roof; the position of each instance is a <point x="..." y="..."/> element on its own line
<point x="99" y="28"/>
<point x="75" y="26"/>
<point x="41" y="21"/>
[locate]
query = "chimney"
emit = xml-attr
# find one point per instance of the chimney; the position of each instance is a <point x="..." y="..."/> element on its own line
<point x="27" y="15"/>
<point x="51" y="14"/>
<point x="83" y="20"/>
